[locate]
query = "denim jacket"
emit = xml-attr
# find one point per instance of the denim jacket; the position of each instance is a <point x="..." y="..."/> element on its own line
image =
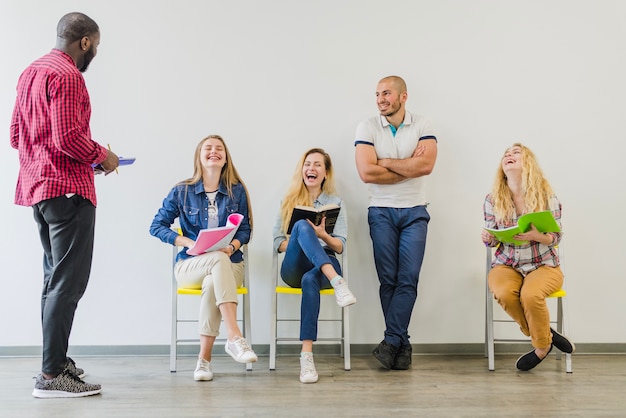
<point x="190" y="204"/>
<point x="341" y="226"/>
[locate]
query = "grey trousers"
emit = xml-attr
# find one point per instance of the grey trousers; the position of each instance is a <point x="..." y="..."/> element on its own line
<point x="66" y="229"/>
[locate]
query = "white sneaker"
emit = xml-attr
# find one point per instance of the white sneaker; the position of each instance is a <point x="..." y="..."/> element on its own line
<point x="240" y="350"/>
<point x="203" y="371"/>
<point x="308" y="374"/>
<point x="343" y="295"/>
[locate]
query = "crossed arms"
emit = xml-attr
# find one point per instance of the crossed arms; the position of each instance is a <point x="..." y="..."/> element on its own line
<point x="395" y="170"/>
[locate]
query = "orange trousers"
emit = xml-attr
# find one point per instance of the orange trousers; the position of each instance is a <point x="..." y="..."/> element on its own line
<point x="524" y="298"/>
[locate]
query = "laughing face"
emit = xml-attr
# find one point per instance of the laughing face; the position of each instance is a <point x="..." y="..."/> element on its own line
<point x="512" y="160"/>
<point x="314" y="171"/>
<point x="213" y="153"/>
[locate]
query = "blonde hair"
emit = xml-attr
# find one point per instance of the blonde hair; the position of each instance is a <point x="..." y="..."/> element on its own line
<point x="536" y="189"/>
<point x="297" y="193"/>
<point x="228" y="176"/>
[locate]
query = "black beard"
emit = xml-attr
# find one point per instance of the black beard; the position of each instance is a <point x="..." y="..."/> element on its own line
<point x="86" y="61"/>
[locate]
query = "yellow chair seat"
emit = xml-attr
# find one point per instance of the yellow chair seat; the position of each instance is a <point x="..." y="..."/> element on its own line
<point x="198" y="292"/>
<point x="558" y="294"/>
<point x="298" y="291"/>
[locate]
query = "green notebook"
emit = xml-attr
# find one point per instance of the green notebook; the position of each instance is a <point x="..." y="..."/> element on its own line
<point x="543" y="221"/>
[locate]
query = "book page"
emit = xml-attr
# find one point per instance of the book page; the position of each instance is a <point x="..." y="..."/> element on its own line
<point x="544" y="222"/>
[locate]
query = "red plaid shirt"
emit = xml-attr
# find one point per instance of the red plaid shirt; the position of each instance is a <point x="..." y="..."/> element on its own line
<point x="50" y="129"/>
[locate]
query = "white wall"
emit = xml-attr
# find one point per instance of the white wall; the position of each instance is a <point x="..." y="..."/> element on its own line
<point x="277" y="77"/>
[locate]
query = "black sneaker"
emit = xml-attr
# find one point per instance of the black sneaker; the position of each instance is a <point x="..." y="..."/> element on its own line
<point x="385" y="353"/>
<point x="70" y="366"/>
<point x="65" y="385"/>
<point x="404" y="358"/>
<point x="562" y="343"/>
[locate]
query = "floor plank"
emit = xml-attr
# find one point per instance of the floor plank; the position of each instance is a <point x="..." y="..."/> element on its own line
<point x="436" y="386"/>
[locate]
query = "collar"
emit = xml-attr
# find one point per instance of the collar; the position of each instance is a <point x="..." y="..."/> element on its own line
<point x="408" y="119"/>
<point x="199" y="188"/>
<point x="321" y="199"/>
<point x="63" y="55"/>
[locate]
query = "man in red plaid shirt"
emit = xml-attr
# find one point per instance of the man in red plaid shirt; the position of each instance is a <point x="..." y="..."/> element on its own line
<point x="50" y="130"/>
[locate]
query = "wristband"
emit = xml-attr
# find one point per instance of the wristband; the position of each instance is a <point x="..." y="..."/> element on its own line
<point x="233" y="247"/>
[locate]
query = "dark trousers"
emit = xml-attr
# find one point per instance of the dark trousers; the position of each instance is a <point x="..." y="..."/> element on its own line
<point x="399" y="241"/>
<point x="66" y="229"/>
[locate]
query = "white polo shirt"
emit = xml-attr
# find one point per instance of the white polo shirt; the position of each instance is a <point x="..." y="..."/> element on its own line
<point x="377" y="131"/>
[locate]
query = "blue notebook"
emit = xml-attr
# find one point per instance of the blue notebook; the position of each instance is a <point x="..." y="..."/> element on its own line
<point x="123" y="161"/>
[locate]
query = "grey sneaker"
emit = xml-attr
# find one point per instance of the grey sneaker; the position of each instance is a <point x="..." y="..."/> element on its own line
<point x="308" y="374"/>
<point x="240" y="350"/>
<point x="203" y="371"/>
<point x="65" y="385"/>
<point x="70" y="366"/>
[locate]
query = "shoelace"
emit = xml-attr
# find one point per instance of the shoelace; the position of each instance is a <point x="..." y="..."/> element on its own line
<point x="243" y="344"/>
<point x="342" y="291"/>
<point x="203" y="365"/>
<point x="72" y="376"/>
<point x="308" y="366"/>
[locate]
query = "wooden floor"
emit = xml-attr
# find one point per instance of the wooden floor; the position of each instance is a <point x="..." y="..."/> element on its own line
<point x="436" y="386"/>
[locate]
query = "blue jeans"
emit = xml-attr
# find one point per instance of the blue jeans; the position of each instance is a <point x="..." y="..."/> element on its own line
<point x="301" y="266"/>
<point x="399" y="240"/>
<point x="66" y="230"/>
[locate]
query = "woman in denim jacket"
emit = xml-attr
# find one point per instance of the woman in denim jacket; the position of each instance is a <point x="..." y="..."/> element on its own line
<point x="205" y="201"/>
<point x="310" y="261"/>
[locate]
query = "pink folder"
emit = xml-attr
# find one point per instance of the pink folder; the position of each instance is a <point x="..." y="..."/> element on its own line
<point x="214" y="239"/>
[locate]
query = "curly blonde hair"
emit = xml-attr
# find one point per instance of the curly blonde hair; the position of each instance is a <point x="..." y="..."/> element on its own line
<point x="297" y="193"/>
<point x="537" y="191"/>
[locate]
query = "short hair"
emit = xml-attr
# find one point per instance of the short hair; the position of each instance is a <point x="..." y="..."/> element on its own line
<point x="398" y="82"/>
<point x="73" y="26"/>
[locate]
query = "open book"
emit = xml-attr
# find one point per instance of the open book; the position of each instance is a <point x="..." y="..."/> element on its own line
<point x="213" y="239"/>
<point x="315" y="215"/>
<point x="543" y="221"/>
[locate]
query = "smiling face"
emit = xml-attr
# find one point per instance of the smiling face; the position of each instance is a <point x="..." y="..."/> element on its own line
<point x="213" y="153"/>
<point x="389" y="98"/>
<point x="512" y="159"/>
<point x="313" y="171"/>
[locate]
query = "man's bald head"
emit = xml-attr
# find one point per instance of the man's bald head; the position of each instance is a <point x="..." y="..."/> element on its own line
<point x="397" y="82"/>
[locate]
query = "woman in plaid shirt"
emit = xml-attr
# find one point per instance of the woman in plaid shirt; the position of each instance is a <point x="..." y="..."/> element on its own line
<point x="522" y="276"/>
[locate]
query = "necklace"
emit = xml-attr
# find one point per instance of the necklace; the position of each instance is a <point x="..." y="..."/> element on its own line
<point x="212" y="209"/>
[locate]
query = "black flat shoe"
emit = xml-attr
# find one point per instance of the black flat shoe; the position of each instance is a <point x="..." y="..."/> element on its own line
<point x="562" y="343"/>
<point x="529" y="360"/>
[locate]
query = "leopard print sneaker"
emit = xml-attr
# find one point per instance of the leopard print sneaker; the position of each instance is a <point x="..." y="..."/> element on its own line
<point x="70" y="366"/>
<point x="65" y="385"/>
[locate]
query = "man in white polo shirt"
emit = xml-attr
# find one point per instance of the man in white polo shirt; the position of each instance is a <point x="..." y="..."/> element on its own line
<point x="395" y="151"/>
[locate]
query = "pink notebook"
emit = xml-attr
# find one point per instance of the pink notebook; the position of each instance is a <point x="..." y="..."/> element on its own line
<point x="216" y="238"/>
